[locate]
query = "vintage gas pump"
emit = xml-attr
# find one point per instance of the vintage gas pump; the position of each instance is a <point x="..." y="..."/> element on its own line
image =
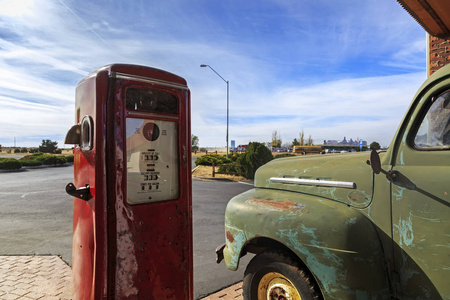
<point x="132" y="207"/>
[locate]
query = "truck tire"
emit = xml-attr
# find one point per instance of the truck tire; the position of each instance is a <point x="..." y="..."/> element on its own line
<point x="276" y="276"/>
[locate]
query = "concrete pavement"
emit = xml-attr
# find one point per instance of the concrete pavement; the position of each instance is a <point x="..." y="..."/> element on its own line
<point x="34" y="277"/>
<point x="49" y="278"/>
<point x="233" y="292"/>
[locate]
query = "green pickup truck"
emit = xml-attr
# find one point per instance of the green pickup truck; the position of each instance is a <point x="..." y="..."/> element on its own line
<point x="367" y="225"/>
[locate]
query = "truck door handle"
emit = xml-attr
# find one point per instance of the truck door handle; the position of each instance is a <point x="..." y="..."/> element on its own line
<point x="83" y="193"/>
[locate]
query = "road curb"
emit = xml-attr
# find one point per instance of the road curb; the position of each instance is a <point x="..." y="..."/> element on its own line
<point x="213" y="178"/>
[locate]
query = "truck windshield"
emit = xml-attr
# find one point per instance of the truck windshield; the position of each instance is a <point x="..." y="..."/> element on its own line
<point x="434" y="131"/>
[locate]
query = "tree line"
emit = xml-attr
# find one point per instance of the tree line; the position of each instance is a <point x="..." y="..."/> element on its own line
<point x="277" y="142"/>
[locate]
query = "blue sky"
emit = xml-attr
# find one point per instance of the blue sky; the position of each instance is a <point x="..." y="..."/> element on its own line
<point x="330" y="68"/>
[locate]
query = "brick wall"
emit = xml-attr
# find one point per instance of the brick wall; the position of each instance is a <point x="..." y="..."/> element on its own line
<point x="439" y="54"/>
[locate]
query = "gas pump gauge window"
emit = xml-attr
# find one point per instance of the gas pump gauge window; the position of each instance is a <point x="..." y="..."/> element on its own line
<point x="152" y="160"/>
<point x="151" y="101"/>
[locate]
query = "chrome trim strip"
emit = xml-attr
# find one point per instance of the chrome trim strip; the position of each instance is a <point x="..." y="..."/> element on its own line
<point x="327" y="183"/>
<point x="333" y="249"/>
<point x="132" y="113"/>
<point x="148" y="80"/>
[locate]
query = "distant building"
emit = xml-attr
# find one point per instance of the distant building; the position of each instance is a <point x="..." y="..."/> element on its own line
<point x="241" y="148"/>
<point x="344" y="142"/>
<point x="331" y="142"/>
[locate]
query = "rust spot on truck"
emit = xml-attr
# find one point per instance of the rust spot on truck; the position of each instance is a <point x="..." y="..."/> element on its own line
<point x="278" y="205"/>
<point x="230" y="236"/>
<point x="358" y="197"/>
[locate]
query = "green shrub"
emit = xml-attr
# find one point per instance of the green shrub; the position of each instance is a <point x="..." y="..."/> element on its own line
<point x="230" y="168"/>
<point x="257" y="155"/>
<point x="33" y="156"/>
<point x="45" y="159"/>
<point x="54" y="160"/>
<point x="9" y="164"/>
<point x="30" y="163"/>
<point x="42" y="158"/>
<point x="49" y="160"/>
<point x="375" y="146"/>
<point x="284" y="155"/>
<point x="234" y="156"/>
<point x="60" y="160"/>
<point x="38" y="159"/>
<point x="208" y="160"/>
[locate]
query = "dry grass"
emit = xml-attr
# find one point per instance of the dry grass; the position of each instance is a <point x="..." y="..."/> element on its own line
<point x="204" y="172"/>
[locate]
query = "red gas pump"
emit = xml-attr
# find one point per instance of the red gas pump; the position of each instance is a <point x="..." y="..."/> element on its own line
<point x="132" y="207"/>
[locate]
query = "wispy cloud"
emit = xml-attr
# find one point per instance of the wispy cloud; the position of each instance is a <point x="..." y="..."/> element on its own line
<point x="369" y="108"/>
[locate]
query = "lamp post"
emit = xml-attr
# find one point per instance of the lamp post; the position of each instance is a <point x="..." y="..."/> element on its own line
<point x="228" y="97"/>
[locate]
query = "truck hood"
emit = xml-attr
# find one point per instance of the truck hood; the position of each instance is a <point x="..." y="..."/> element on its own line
<point x="346" y="178"/>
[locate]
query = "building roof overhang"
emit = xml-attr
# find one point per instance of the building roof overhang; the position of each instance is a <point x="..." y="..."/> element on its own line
<point x="432" y="15"/>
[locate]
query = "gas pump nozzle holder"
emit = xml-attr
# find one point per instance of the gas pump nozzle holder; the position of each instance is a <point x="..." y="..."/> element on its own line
<point x="73" y="136"/>
<point x="132" y="234"/>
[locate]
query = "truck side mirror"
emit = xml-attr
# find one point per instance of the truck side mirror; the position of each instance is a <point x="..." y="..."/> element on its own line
<point x="375" y="162"/>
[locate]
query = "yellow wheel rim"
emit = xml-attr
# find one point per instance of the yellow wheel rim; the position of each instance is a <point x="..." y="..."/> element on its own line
<point x="275" y="286"/>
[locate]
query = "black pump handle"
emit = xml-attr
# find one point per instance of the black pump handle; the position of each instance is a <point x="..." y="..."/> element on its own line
<point x="83" y="193"/>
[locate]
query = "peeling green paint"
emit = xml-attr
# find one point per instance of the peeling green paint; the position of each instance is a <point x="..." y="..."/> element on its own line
<point x="405" y="229"/>
<point x="309" y="231"/>
<point x="402" y="162"/>
<point x="397" y="192"/>
<point x="328" y="274"/>
<point x="351" y="221"/>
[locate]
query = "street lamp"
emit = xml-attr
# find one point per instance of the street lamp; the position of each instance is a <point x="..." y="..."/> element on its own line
<point x="228" y="97"/>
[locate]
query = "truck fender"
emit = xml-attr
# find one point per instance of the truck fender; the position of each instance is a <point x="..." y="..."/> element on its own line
<point x="338" y="244"/>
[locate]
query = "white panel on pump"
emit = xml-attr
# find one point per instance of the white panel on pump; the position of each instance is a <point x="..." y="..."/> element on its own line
<point x="152" y="160"/>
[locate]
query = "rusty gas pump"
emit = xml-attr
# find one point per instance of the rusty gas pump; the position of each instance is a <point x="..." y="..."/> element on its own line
<point x="132" y="207"/>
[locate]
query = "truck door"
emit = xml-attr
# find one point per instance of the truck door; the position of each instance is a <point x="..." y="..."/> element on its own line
<point x="132" y="218"/>
<point x="420" y="198"/>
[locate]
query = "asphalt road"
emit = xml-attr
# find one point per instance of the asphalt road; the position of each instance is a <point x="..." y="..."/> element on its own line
<point x="36" y="219"/>
<point x="36" y="212"/>
<point x="16" y="156"/>
<point x="209" y="202"/>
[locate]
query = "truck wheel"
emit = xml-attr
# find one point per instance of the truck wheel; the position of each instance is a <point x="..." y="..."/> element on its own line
<point x="275" y="276"/>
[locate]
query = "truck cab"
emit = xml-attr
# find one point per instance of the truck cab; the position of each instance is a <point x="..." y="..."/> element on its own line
<point x="367" y="225"/>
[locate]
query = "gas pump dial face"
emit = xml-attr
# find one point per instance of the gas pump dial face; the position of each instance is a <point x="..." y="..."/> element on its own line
<point x="151" y="131"/>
